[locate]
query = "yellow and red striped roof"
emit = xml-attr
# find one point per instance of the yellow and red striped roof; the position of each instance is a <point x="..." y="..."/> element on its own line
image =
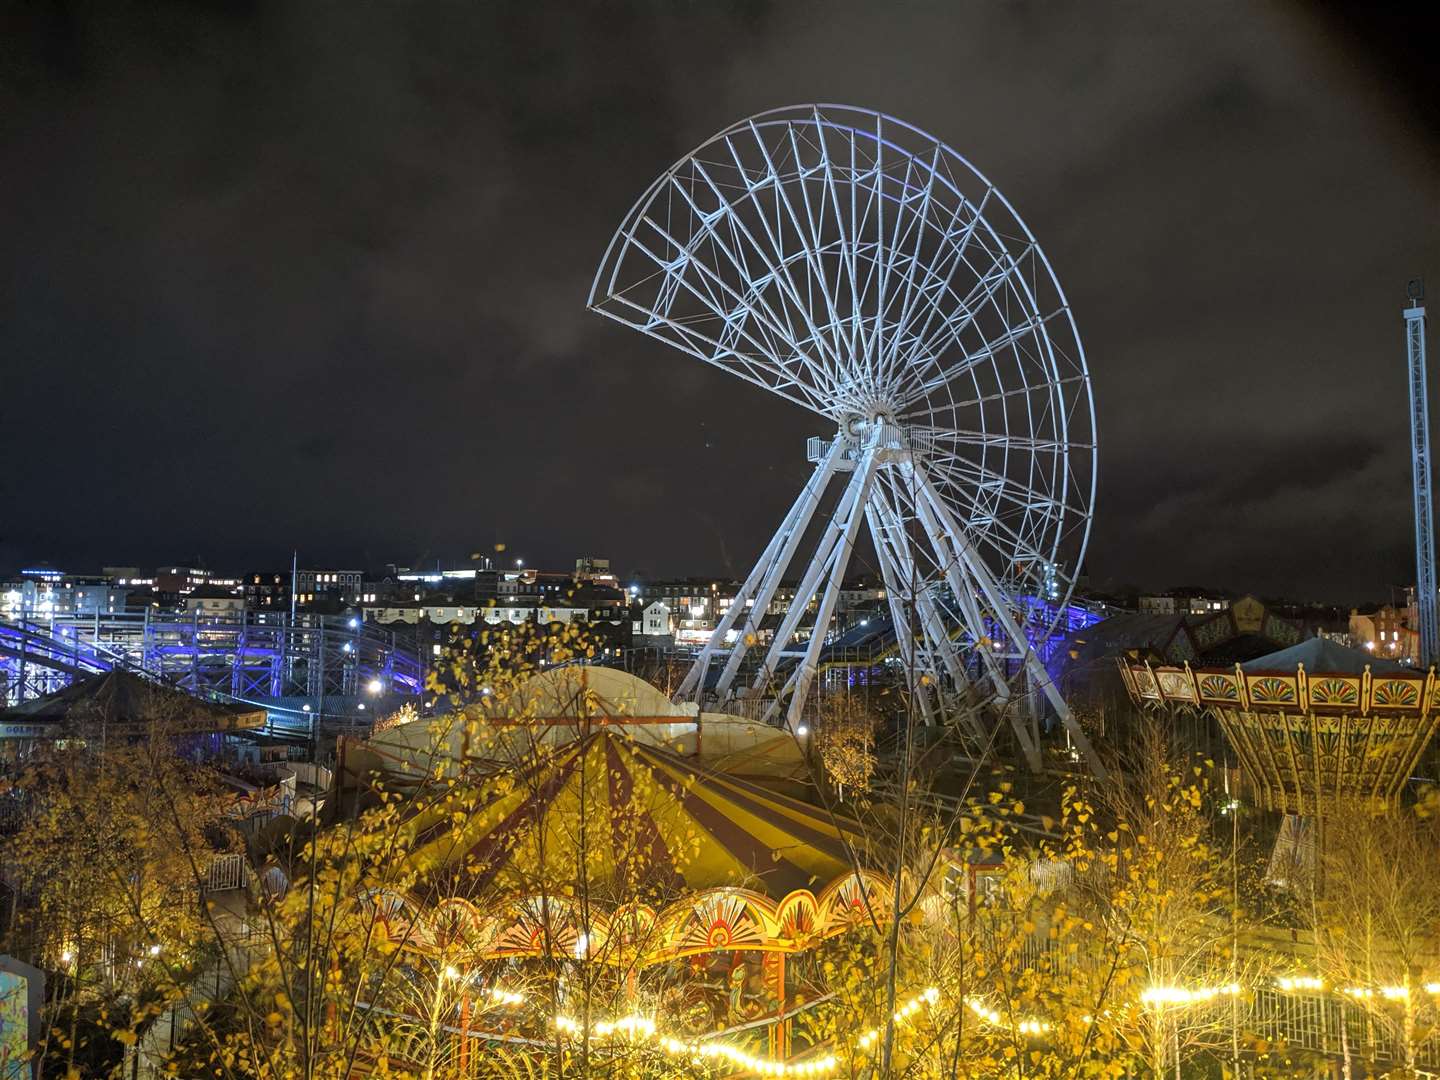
<point x="616" y="816"/>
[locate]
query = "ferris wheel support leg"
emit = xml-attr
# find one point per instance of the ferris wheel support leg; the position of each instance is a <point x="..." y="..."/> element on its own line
<point x="894" y="597"/>
<point x="958" y="576"/>
<point x="964" y="591"/>
<point x="898" y="566"/>
<point x="820" y="563"/>
<point x="765" y="577"/>
<point x="990" y="588"/>
<point x="864" y="478"/>
<point x="805" y="508"/>
<point x="899" y="544"/>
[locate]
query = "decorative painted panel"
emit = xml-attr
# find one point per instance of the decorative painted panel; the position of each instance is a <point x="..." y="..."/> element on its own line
<point x="1176" y="685"/>
<point x="1219" y="688"/>
<point x="1272" y="690"/>
<point x="1334" y="690"/>
<point x="1145" y="683"/>
<point x="1395" y="693"/>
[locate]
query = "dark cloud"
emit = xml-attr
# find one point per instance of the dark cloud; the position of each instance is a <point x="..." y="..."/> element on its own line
<point x="314" y="275"/>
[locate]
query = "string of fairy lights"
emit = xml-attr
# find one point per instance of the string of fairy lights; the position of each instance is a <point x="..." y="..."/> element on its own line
<point x="637" y="1029"/>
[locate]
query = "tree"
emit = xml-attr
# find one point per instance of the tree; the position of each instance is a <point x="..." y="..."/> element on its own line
<point x="1376" y="920"/>
<point x="102" y="863"/>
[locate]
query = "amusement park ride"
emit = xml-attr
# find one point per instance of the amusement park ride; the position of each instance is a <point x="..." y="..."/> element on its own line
<point x="861" y="269"/>
<point x="301" y="669"/>
<point x="1425" y="599"/>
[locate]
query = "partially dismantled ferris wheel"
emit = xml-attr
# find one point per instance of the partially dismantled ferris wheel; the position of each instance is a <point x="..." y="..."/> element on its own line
<point x="860" y="268"/>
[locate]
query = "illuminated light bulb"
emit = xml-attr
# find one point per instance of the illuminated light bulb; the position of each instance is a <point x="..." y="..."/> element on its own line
<point x="154" y="950"/>
<point x="67" y="956"/>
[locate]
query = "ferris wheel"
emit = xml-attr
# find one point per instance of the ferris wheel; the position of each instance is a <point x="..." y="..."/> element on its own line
<point x="860" y="268"/>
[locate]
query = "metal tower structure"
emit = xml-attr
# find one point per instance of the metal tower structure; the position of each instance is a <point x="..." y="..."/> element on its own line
<point x="863" y="270"/>
<point x="1420" y="455"/>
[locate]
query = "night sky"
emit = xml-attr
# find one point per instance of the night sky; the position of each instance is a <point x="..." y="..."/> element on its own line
<point x="281" y="275"/>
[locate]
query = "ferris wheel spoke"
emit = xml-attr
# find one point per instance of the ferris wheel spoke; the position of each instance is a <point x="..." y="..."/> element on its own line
<point x="938" y="276"/>
<point x="774" y="186"/>
<point x="777" y="272"/>
<point x="991" y="523"/>
<point x="957" y="407"/>
<point x="973" y="474"/>
<point x="1033" y="325"/>
<point x="889" y="259"/>
<point x="814" y="220"/>
<point x="1008" y="441"/>
<point x="962" y="314"/>
<point x="920" y="226"/>
<point x="707" y="288"/>
<point x="764" y="376"/>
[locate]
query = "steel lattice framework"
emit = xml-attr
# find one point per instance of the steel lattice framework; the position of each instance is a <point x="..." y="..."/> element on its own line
<point x="858" y="267"/>
<point x="1420" y="461"/>
<point x="262" y="658"/>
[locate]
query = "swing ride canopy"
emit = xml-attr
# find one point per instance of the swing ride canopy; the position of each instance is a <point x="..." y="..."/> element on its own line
<point x="1317" y="727"/>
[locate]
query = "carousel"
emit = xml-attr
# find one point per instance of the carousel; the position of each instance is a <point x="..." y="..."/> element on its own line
<point x="589" y="819"/>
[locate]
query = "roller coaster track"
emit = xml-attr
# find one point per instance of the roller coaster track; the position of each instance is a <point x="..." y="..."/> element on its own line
<point x="254" y="657"/>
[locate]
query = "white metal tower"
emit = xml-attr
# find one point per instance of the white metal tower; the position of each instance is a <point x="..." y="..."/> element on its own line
<point x="1420" y="453"/>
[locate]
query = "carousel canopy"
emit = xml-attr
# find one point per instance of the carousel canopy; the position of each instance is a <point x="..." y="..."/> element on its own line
<point x="121" y="700"/>
<point x="561" y="704"/>
<point x="632" y="818"/>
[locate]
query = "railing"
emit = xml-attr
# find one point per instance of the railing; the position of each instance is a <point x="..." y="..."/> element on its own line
<point x="1314" y="1023"/>
<point x="226" y="872"/>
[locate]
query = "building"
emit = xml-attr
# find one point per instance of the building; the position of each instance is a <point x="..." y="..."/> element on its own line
<point x="96" y="596"/>
<point x="267" y="590"/>
<point x="1388" y="632"/>
<point x="655" y="627"/>
<point x="413" y="612"/>
<point x="337" y="587"/>
<point x="48" y="594"/>
<point x="213" y="603"/>
<point x="595" y="571"/>
<point x="536" y="584"/>
<point x="1182" y="602"/>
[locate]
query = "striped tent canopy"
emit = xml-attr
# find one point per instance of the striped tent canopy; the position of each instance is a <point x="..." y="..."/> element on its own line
<point x="631" y="818"/>
<point x="673" y="860"/>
